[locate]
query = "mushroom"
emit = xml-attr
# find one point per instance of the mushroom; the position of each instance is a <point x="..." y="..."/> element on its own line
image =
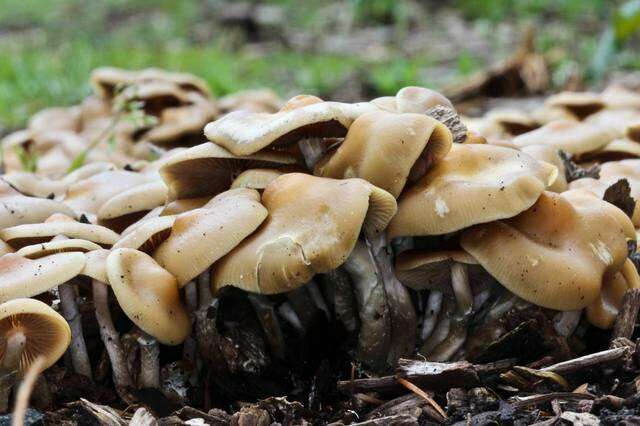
<point x="257" y="179"/>
<point x="419" y="100"/>
<point x="107" y="80"/>
<point x="512" y="122"/>
<point x="556" y="253"/>
<point x="614" y="121"/>
<point x="147" y="235"/>
<point x="574" y="137"/>
<point x="618" y="97"/>
<point x="580" y="104"/>
<point x="260" y="100"/>
<point x="18" y="209"/>
<point x="387" y="149"/>
<point x="207" y="169"/>
<point x="549" y="155"/>
<point x="149" y="295"/>
<point x="121" y="210"/>
<point x="28" y="329"/>
<point x="57" y="118"/>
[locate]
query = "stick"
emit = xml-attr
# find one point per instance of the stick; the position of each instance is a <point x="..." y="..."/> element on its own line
<point x="587" y="361"/>
<point x="628" y="315"/>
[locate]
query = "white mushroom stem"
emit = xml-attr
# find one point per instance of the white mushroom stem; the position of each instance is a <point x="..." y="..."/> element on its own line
<point x="266" y="313"/>
<point x="13" y="352"/>
<point x="110" y="337"/>
<point x="149" y="361"/>
<point x="189" y="349"/>
<point x="191" y="296"/>
<point x="287" y="312"/>
<point x="78" y="348"/>
<point x="462" y="288"/>
<point x="204" y="289"/>
<point x="312" y="149"/>
<point x="566" y="322"/>
<point x="449" y="346"/>
<point x="432" y="311"/>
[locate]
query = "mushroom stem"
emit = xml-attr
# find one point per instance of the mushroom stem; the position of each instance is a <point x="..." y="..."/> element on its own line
<point x="149" y="361"/>
<point x="190" y="347"/>
<point x="10" y="363"/>
<point x="111" y="338"/>
<point x="78" y="348"/>
<point x="191" y="296"/>
<point x="462" y="288"/>
<point x="565" y="322"/>
<point x="434" y="305"/>
<point x="312" y="149"/>
<point x="266" y="313"/>
<point x="204" y="289"/>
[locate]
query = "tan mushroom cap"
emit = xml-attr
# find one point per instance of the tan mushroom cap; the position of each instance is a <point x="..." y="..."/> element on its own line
<point x="202" y="236"/>
<point x="617" y="149"/>
<point x="37" y="251"/>
<point x="88" y="195"/>
<point x="96" y="265"/>
<point x="209" y="169"/>
<point x="256" y="178"/>
<point x="556" y="253"/>
<point x="617" y="96"/>
<point x="156" y="95"/>
<point x="472" y="184"/>
<point x="418" y="100"/>
<point x="46" y="333"/>
<point x="614" y="121"/>
<point x="386" y="149"/>
<point x="148" y="235"/>
<point x="574" y="137"/>
<point x="258" y="100"/>
<point x="146" y="196"/>
<point x="512" y="121"/>
<point x="105" y="80"/>
<point x="183" y="205"/>
<point x="386" y="103"/>
<point x="56" y="118"/>
<point x="24" y="235"/>
<point x="580" y="104"/>
<point x="181" y="126"/>
<point x="549" y="155"/>
<point x="41" y="186"/>
<point x="603" y="312"/>
<point x="313" y="225"/>
<point x="185" y="81"/>
<point x="246" y="132"/>
<point x="149" y="295"/>
<point x="23" y="277"/>
<point x="421" y="270"/>
<point x="18" y="209"/>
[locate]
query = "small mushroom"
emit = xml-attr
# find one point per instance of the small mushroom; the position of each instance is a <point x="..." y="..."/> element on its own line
<point x="618" y="97"/>
<point x="257" y="179"/>
<point x="419" y="100"/>
<point x="28" y="329"/>
<point x="574" y="137"/>
<point x="18" y="209"/>
<point x="121" y="210"/>
<point x="580" y="104"/>
<point x="147" y="235"/>
<point x="549" y="155"/>
<point x="260" y="100"/>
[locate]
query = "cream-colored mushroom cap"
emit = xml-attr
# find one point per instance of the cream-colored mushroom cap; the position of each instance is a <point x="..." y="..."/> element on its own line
<point x="96" y="265"/>
<point x="18" y="209"/>
<point x="185" y="81"/>
<point x="472" y="184"/>
<point x="419" y="99"/>
<point x="574" y="137"/>
<point x="556" y="253"/>
<point x="386" y="149"/>
<point x="246" y="132"/>
<point x="208" y="169"/>
<point x="512" y="121"/>
<point x="56" y="118"/>
<point x="256" y="178"/>
<point x="258" y="100"/>
<point x="614" y="121"/>
<point x="313" y="225"/>
<point x="148" y="235"/>
<point x="421" y="270"/>
<point x="105" y="80"/>
<point x="149" y="295"/>
<point x="549" y="155"/>
<point x="37" y="251"/>
<point x="23" y="277"/>
<point x="181" y="126"/>
<point x="45" y="332"/>
<point x="580" y="104"/>
<point x="617" y="149"/>
<point x="603" y="312"/>
<point x="24" y="235"/>
<point x="202" y="236"/>
<point x="617" y="96"/>
<point x="146" y="196"/>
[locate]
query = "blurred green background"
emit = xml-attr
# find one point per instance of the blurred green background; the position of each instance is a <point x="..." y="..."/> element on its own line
<point x="341" y="50"/>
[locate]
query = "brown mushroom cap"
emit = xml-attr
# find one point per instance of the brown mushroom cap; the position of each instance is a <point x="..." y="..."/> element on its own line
<point x="556" y="253"/>
<point x="208" y="169"/>
<point x="421" y="270"/>
<point x="549" y="155"/>
<point x="580" y="104"/>
<point x="148" y="235"/>
<point x="603" y="312"/>
<point x="45" y="332"/>
<point x="56" y="118"/>
<point x="313" y="225"/>
<point x="256" y="178"/>
<point x="246" y="133"/>
<point x="260" y="100"/>
<point x="418" y="100"/>
<point x="149" y="295"/>
<point x="187" y="82"/>
<point x="24" y="235"/>
<point x="105" y="80"/>
<point x="386" y="149"/>
<point x="18" y="209"/>
<point x="202" y="236"/>
<point x="513" y="122"/>
<point x="574" y="137"/>
<point x="472" y="184"/>
<point x="182" y="126"/>
<point x="23" y="277"/>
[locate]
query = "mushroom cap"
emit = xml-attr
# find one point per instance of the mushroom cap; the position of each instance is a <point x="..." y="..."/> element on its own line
<point x="256" y="100"/>
<point x="550" y="155"/>
<point x="556" y="253"/>
<point x="148" y="235"/>
<point x="105" y="80"/>
<point x="580" y="104"/>
<point x="614" y="121"/>
<point x="418" y="100"/>
<point x="56" y="118"/>
<point x="140" y="198"/>
<point x="186" y="81"/>
<point x="386" y="149"/>
<point x="37" y="251"/>
<point x="47" y="333"/>
<point x="96" y="265"/>
<point x="616" y="96"/>
<point x="156" y="96"/>
<point x="256" y="178"/>
<point x="18" y="209"/>
<point x="574" y="137"/>
<point x="313" y="225"/>
<point x="24" y="235"/>
<point x="23" y="277"/>
<point x="183" y="205"/>
<point x="246" y="132"/>
<point x="603" y="312"/>
<point x="209" y="169"/>
<point x="617" y="149"/>
<point x="88" y="195"/>
<point x="472" y="184"/>
<point x="421" y="270"/>
<point x="181" y="126"/>
<point x="202" y="236"/>
<point x="149" y="295"/>
<point x="512" y="121"/>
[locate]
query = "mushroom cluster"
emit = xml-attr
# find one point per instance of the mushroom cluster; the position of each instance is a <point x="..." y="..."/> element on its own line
<point x="414" y="227"/>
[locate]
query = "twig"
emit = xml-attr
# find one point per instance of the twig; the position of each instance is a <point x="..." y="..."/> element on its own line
<point x="587" y="361"/>
<point x="25" y="390"/>
<point x="519" y="402"/>
<point x="628" y="315"/>
<point x="415" y="389"/>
